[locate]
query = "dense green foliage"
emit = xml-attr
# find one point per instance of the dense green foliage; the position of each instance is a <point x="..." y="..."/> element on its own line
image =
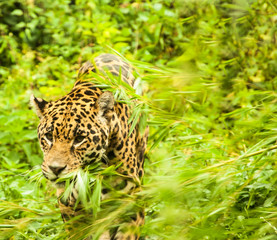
<point x="210" y="72"/>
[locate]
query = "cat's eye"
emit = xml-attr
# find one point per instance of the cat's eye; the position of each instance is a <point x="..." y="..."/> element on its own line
<point x="78" y="139"/>
<point x="49" y="136"/>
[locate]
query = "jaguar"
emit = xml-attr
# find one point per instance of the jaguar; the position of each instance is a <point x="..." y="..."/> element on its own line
<point x="88" y="126"/>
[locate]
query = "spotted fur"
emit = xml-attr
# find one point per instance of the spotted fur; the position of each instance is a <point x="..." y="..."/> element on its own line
<point x="88" y="126"/>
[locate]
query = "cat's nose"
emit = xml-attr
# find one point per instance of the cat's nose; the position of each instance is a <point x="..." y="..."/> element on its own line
<point x="57" y="169"/>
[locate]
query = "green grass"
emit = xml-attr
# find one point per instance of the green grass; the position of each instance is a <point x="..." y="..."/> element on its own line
<point x="208" y="70"/>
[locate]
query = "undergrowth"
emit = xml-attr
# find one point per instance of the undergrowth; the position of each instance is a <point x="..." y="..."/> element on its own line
<point x="208" y="72"/>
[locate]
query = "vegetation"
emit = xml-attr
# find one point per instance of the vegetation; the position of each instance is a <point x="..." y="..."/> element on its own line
<point x="210" y="76"/>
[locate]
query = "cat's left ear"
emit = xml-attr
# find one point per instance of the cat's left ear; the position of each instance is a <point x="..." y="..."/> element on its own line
<point x="105" y="105"/>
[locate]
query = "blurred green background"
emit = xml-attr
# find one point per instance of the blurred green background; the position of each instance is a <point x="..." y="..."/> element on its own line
<point x="210" y="72"/>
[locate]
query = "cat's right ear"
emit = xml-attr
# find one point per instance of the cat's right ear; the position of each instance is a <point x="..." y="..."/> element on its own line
<point x="39" y="105"/>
